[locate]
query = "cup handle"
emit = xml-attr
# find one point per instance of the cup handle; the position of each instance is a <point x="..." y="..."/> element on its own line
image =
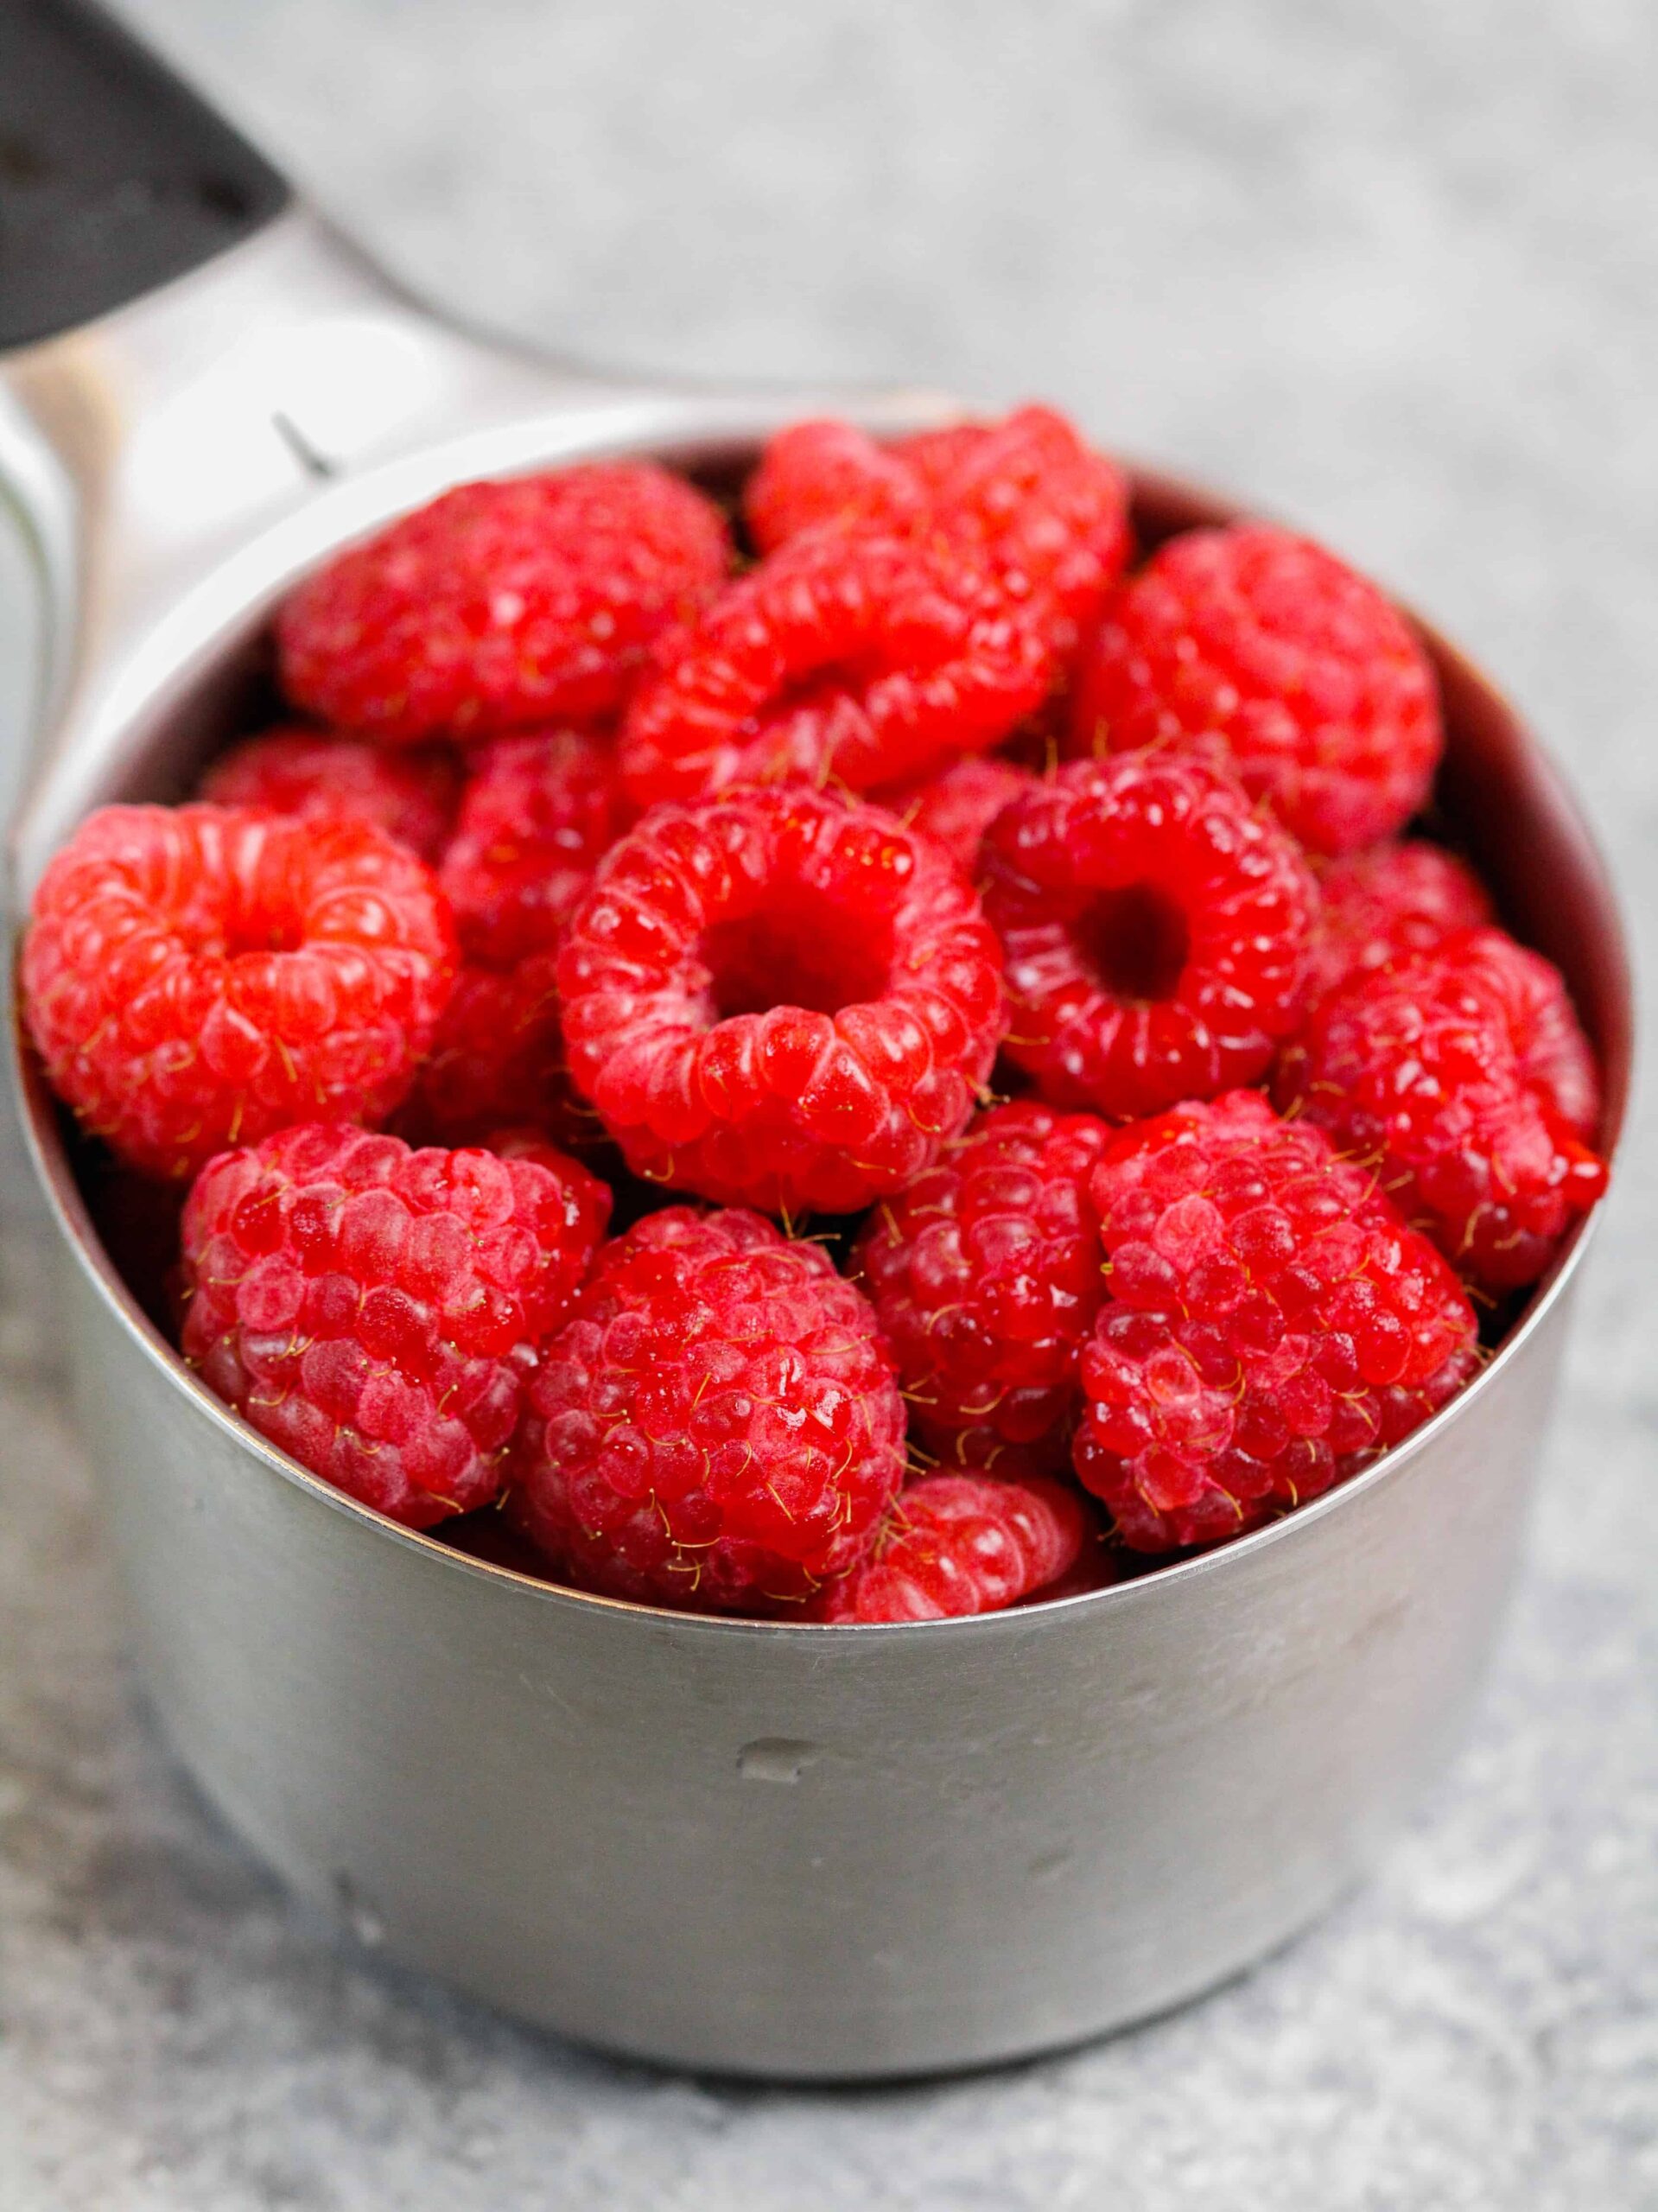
<point x="114" y="176"/>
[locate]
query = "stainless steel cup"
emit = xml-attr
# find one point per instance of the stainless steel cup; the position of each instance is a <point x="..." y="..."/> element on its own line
<point x="777" y="1850"/>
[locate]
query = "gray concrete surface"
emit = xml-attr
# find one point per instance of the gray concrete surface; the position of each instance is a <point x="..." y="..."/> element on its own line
<point x="1393" y="271"/>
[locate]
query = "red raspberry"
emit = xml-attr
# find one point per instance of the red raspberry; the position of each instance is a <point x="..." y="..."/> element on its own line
<point x="985" y="1277"/>
<point x="780" y="999"/>
<point x="372" y="1310"/>
<point x="959" y="1544"/>
<point x="1274" y="1324"/>
<point x="1046" y="508"/>
<point x="538" y="811"/>
<point x="1027" y="493"/>
<point x="318" y="776"/>
<point x="1156" y="931"/>
<point x="717" y="1427"/>
<point x="502" y="603"/>
<point x="829" y="471"/>
<point x="1380" y="906"/>
<point x="847" y="655"/>
<point x="196" y="978"/>
<point x="498" y="1060"/>
<point x="1315" y="681"/>
<point x="956" y="808"/>
<point x="1462" y="1073"/>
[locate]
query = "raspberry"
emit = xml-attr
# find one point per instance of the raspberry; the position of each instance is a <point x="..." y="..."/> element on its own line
<point x="1380" y="906"/>
<point x="780" y="999"/>
<point x="1462" y="1073"/>
<point x="1274" y="1324"/>
<point x="1046" y="508"/>
<point x="717" y="1427"/>
<point x="1028" y="493"/>
<point x="1315" y="681"/>
<point x="958" y="1544"/>
<point x="197" y="977"/>
<point x="829" y="472"/>
<point x="498" y="1060"/>
<point x="318" y="776"/>
<point x="862" y="657"/>
<point x="502" y="604"/>
<point x="372" y="1310"/>
<point x="1156" y="931"/>
<point x="985" y="1277"/>
<point x="956" y="808"/>
<point x="538" y="812"/>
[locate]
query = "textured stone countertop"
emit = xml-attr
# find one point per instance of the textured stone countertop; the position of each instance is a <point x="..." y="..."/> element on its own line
<point x="1392" y="272"/>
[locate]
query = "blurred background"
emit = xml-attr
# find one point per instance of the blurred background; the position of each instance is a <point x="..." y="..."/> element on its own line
<point x="1391" y="273"/>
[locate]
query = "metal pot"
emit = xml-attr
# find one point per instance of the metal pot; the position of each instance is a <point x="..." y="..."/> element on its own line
<point x="778" y="1850"/>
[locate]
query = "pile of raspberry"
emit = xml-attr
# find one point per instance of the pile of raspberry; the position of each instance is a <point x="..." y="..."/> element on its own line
<point x="869" y="1058"/>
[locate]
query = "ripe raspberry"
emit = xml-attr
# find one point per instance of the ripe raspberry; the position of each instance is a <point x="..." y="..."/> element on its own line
<point x="956" y="808"/>
<point x="844" y="654"/>
<point x="1027" y="493"/>
<point x="372" y="1310"/>
<point x="985" y="1277"/>
<point x="1380" y="906"/>
<point x="1462" y="1074"/>
<point x="1315" y="683"/>
<point x="1045" y="506"/>
<point x="957" y="1544"/>
<point x="717" y="1427"/>
<point x="196" y="978"/>
<point x="829" y="472"/>
<point x="780" y="999"/>
<point x="318" y="776"/>
<point x="497" y="1061"/>
<point x="538" y="812"/>
<point x="1156" y="931"/>
<point x="502" y="603"/>
<point x="1274" y="1324"/>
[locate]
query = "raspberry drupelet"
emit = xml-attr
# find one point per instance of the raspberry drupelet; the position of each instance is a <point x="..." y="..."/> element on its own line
<point x="1315" y="681"/>
<point x="1156" y="931"/>
<point x="1274" y="1324"/>
<point x="985" y="1278"/>
<point x="498" y="1060"/>
<point x="321" y="777"/>
<point x="780" y="999"/>
<point x="502" y="604"/>
<point x="1028" y="493"/>
<point x="1462" y="1075"/>
<point x="538" y="811"/>
<point x="372" y="1310"/>
<point x="197" y="976"/>
<point x="717" y="1427"/>
<point x="1380" y="906"/>
<point x="958" y="807"/>
<point x="957" y="1544"/>
<point x="845" y="656"/>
